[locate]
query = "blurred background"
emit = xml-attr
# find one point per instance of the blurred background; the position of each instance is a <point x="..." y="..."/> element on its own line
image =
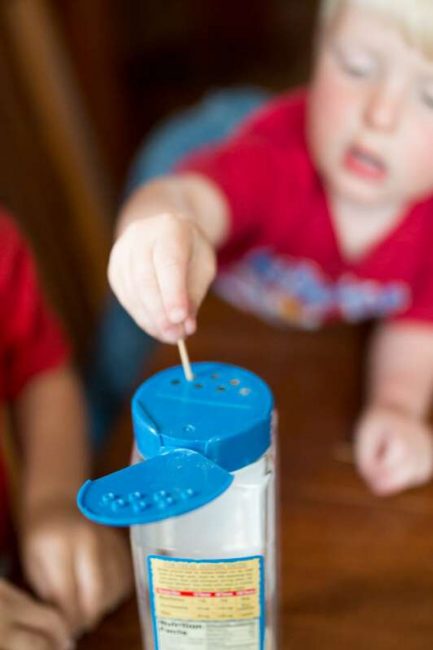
<point x="84" y="81"/>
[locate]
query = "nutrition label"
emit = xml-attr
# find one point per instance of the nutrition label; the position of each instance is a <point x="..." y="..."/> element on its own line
<point x="207" y="605"/>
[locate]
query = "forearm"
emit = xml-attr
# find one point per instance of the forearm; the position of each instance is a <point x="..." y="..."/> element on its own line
<point x="400" y="373"/>
<point x="189" y="196"/>
<point x="50" y="417"/>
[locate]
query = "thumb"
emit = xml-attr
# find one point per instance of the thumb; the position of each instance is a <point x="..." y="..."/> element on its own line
<point x="372" y="445"/>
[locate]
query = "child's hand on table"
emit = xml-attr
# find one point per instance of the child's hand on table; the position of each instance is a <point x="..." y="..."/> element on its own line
<point x="393" y="451"/>
<point x="82" y="568"/>
<point x="160" y="270"/>
<point x="25" y="623"/>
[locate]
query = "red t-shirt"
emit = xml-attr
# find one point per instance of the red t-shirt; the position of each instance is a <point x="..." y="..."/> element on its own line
<point x="30" y="339"/>
<point x="282" y="260"/>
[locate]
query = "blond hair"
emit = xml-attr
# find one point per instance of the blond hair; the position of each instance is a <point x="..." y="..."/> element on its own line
<point x="414" y="18"/>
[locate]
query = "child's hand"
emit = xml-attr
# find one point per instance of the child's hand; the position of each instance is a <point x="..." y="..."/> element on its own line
<point x="82" y="568"/>
<point x="160" y="270"/>
<point x="393" y="451"/>
<point x="25" y="623"/>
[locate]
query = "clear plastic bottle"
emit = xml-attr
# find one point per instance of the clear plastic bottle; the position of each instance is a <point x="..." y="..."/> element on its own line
<point x="204" y="550"/>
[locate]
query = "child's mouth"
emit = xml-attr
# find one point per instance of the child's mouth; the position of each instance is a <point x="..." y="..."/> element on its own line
<point x="364" y="163"/>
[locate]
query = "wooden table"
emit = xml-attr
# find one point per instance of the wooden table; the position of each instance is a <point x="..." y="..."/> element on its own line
<point x="357" y="570"/>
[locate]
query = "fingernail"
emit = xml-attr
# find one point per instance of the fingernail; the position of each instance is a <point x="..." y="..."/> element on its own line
<point x="70" y="645"/>
<point x="190" y="326"/>
<point x="171" y="335"/>
<point x="177" y="315"/>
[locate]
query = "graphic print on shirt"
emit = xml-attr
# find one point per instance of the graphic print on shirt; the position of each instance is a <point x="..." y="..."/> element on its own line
<point x="290" y="291"/>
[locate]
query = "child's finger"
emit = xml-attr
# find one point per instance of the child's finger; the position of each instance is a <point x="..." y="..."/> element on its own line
<point x="149" y="304"/>
<point x="370" y="443"/>
<point x="41" y="618"/>
<point x="144" y="319"/>
<point x="37" y="577"/>
<point x="91" y="581"/>
<point x="142" y="286"/>
<point x="394" y="452"/>
<point x="117" y="573"/>
<point x="124" y="265"/>
<point x="391" y="481"/>
<point x="24" y="639"/>
<point x="62" y="587"/>
<point x="171" y="259"/>
<point x="138" y="284"/>
<point x="118" y="270"/>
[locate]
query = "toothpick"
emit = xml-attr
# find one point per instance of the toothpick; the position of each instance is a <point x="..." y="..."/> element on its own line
<point x="185" y="360"/>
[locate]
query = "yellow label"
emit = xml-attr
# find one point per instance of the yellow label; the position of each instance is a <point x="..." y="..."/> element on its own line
<point x="207" y="604"/>
<point x="206" y="590"/>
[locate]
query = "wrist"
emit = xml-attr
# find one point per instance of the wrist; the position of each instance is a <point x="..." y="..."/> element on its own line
<point x="394" y="407"/>
<point x="34" y="515"/>
<point x="152" y="200"/>
<point x="53" y="495"/>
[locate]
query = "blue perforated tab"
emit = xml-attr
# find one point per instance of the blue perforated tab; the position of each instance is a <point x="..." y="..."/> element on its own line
<point x="167" y="485"/>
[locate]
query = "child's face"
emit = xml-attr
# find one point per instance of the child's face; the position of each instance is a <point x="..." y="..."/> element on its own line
<point x="371" y="112"/>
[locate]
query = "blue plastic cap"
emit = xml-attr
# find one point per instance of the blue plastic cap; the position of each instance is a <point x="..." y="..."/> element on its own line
<point x="168" y="485"/>
<point x="191" y="436"/>
<point x="224" y="414"/>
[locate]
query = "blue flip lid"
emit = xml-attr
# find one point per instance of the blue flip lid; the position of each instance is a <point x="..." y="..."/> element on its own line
<point x="146" y="492"/>
<point x="191" y="436"/>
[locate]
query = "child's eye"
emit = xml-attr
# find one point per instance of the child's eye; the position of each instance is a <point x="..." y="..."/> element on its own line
<point x="357" y="67"/>
<point x="355" y="64"/>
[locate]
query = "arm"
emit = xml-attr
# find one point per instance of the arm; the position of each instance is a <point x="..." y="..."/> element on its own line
<point x="164" y="258"/>
<point x="394" y="448"/>
<point x="25" y="623"/>
<point x="50" y="421"/>
<point x="81" y="568"/>
<point x="401" y="368"/>
<point x="188" y="195"/>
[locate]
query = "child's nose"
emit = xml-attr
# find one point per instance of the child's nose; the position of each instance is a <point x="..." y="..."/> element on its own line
<point x="383" y="108"/>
